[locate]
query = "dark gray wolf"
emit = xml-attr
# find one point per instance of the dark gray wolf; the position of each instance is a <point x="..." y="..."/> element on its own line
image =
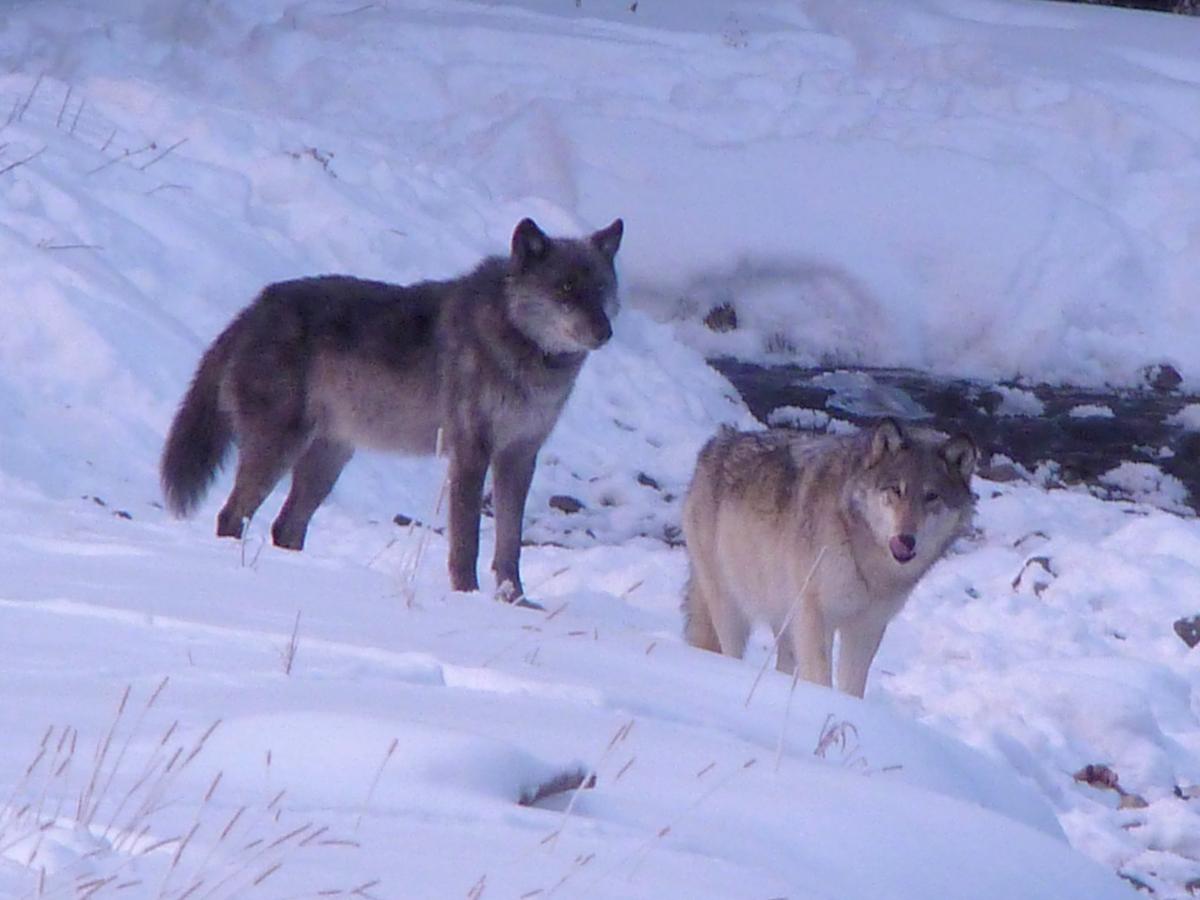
<point x="818" y="534"/>
<point x="318" y="366"/>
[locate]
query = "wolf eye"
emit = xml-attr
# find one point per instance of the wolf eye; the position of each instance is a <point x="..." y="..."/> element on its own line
<point x="895" y="490"/>
<point x="567" y="287"/>
<point x="932" y="496"/>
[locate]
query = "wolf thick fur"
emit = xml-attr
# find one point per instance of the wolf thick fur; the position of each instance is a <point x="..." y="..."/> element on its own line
<point x="817" y="535"/>
<point x="319" y="366"/>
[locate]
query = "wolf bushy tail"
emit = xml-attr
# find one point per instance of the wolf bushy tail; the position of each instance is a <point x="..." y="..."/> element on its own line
<point x="201" y="432"/>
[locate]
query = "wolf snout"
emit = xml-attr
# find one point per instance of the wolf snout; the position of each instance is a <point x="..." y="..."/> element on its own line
<point x="597" y="335"/>
<point x="603" y="332"/>
<point x="903" y="547"/>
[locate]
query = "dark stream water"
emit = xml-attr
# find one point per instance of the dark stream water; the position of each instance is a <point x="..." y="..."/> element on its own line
<point x="1085" y="432"/>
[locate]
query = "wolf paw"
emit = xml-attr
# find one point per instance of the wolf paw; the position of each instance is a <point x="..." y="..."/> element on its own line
<point x="507" y="592"/>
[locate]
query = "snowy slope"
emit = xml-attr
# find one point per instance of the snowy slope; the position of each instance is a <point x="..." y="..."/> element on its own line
<point x="987" y="187"/>
<point x="705" y="786"/>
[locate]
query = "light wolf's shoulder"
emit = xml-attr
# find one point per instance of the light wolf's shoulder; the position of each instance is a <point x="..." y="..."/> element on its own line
<point x="770" y="469"/>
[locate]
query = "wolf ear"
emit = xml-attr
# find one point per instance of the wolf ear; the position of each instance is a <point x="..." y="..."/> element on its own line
<point x="608" y="240"/>
<point x="960" y="455"/>
<point x="888" y="438"/>
<point x="529" y="244"/>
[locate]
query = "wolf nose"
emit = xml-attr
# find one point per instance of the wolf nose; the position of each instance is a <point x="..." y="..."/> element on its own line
<point x="903" y="547"/>
<point x="603" y="332"/>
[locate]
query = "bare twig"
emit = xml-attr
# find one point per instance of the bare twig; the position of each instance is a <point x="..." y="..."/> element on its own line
<point x="178" y="143"/>
<point x="21" y="162"/>
<point x="63" y="109"/>
<point x="78" y="113"/>
<point x="289" y="652"/>
<point x="375" y="781"/>
<point x="28" y="100"/>
<point x="116" y="159"/>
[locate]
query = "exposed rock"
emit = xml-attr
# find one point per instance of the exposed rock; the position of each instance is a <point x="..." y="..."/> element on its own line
<point x="722" y="318"/>
<point x="566" y="504"/>
<point x="646" y="480"/>
<point x="1188" y="630"/>
<point x="1162" y="377"/>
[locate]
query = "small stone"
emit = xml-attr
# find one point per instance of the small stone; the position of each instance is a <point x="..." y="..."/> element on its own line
<point x="1162" y="377"/>
<point x="1029" y="575"/>
<point x="1132" y="801"/>
<point x="566" y="504"/>
<point x="1188" y="630"/>
<point x="1002" y="473"/>
<point x="1098" y="776"/>
<point x="402" y="520"/>
<point x="722" y="318"/>
<point x="1136" y="882"/>
<point x="647" y="481"/>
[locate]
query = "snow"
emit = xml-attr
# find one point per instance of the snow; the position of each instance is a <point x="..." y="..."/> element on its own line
<point x="989" y="188"/>
<point x="1091" y="411"/>
<point x="1148" y="483"/>
<point x="1187" y="418"/>
<point x="1015" y="401"/>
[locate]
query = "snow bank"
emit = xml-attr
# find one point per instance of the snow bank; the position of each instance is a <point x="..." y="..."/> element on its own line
<point x="983" y="188"/>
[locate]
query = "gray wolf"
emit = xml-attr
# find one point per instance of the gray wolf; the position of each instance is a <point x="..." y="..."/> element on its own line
<point x="318" y="366"/>
<point x="817" y="535"/>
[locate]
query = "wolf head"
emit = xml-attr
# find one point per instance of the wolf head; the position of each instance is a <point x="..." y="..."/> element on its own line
<point x="914" y="492"/>
<point x="562" y="292"/>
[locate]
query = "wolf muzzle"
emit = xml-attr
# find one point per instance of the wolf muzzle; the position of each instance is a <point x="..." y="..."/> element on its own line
<point x="903" y="547"/>
<point x="596" y="333"/>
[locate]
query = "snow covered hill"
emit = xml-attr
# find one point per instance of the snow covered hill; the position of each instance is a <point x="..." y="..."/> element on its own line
<point x="985" y="187"/>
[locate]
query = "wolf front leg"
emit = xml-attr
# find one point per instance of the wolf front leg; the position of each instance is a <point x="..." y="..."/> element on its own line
<point x="858" y="641"/>
<point x="512" y="473"/>
<point x="468" y="465"/>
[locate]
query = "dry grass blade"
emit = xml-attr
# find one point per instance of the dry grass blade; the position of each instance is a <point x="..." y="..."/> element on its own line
<point x="375" y="782"/>
<point x="589" y="780"/>
<point x="786" y="622"/>
<point x="289" y="652"/>
<point x="20" y="162"/>
<point x="411" y="563"/>
<point x="86" y="810"/>
<point x="787" y="714"/>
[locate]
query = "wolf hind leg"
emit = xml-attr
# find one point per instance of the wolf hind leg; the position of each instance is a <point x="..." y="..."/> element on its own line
<point x="698" y="629"/>
<point x="312" y="479"/>
<point x="785" y="659"/>
<point x="263" y="457"/>
<point x="710" y="612"/>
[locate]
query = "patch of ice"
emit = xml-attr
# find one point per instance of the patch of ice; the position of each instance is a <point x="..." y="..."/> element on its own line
<point x="1016" y="401"/>
<point x="1147" y="483"/>
<point x="1091" y="411"/>
<point x="809" y="420"/>
<point x="1187" y="418"/>
<point x="859" y="393"/>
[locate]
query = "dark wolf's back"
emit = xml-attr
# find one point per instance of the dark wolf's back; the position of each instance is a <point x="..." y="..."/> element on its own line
<point x="258" y="366"/>
<point x="201" y="432"/>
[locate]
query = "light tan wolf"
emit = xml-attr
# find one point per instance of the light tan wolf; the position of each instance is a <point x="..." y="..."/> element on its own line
<point x="818" y="534"/>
